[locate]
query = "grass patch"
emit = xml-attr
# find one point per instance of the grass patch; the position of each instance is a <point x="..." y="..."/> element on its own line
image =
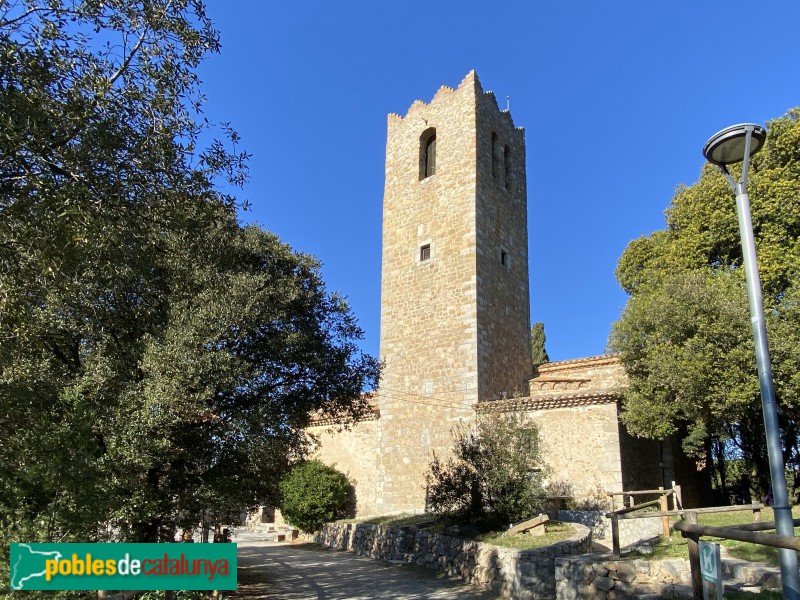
<point x="401" y="520"/>
<point x="556" y="532"/>
<point x="676" y="546"/>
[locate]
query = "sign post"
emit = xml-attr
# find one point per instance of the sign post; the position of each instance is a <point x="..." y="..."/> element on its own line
<point x="711" y="568"/>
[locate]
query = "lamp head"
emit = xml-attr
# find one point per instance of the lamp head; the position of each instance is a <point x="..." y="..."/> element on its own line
<point x="727" y="146"/>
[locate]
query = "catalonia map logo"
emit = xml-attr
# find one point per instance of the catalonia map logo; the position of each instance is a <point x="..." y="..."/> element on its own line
<point x="36" y="566"/>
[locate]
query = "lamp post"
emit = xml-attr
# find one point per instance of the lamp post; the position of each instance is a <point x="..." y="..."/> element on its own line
<point x="732" y="145"/>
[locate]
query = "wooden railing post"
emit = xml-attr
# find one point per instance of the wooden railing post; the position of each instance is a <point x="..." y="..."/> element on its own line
<point x="678" y="500"/>
<point x="615" y="551"/>
<point x="694" y="557"/>
<point x="664" y="508"/>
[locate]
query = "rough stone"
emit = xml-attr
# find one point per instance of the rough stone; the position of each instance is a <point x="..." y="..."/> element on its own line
<point x="675" y="567"/>
<point x="603" y="583"/>
<point x="626" y="572"/>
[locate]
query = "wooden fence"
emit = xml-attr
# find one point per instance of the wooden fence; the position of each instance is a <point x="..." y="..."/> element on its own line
<point x="747" y="532"/>
<point x="634" y="511"/>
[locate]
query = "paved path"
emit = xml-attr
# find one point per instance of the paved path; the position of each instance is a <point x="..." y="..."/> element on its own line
<point x="299" y="571"/>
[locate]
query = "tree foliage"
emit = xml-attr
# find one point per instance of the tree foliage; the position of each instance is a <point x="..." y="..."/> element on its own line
<point x="685" y="336"/>
<point x="538" y="351"/>
<point x="158" y="360"/>
<point x="313" y="494"/>
<point x="494" y="475"/>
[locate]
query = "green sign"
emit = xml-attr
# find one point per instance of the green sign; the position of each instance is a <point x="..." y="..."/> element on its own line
<point x="123" y="566"/>
<point x="709" y="561"/>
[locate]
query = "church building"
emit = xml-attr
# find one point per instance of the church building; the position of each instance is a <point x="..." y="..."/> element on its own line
<point x="455" y="321"/>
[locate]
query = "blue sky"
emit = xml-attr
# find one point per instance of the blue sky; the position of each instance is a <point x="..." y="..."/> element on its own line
<point x="617" y="99"/>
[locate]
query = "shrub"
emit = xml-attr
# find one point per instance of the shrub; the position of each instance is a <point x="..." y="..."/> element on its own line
<point x="494" y="475"/>
<point x="313" y="494"/>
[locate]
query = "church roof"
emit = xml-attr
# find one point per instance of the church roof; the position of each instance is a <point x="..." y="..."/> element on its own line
<point x="547" y="402"/>
<point x="603" y="359"/>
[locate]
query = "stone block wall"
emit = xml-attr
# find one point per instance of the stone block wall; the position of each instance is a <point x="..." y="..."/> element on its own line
<point x="579" y="438"/>
<point x="353" y="450"/>
<point x="581" y="446"/>
<point x="631" y="531"/>
<point x="597" y="576"/>
<point x="590" y="577"/>
<point x="518" y="574"/>
<point x="595" y="373"/>
<point x="501" y="229"/>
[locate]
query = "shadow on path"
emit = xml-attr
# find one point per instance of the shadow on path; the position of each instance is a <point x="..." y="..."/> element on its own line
<point x="300" y="571"/>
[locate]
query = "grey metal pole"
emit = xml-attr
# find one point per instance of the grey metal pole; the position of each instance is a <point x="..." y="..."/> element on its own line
<point x="790" y="577"/>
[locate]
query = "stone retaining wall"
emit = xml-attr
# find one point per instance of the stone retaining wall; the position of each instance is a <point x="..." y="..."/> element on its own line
<point x="591" y="576"/>
<point x="518" y="574"/>
<point x="631" y="531"/>
<point x="598" y="576"/>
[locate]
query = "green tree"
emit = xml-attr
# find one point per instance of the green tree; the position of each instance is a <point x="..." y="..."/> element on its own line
<point x="685" y="337"/>
<point x="158" y="361"/>
<point x="314" y="494"/>
<point x="494" y="475"/>
<point x="538" y="351"/>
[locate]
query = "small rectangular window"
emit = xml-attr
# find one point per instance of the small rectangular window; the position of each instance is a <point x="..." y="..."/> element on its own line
<point x="424" y="252"/>
<point x="504" y="258"/>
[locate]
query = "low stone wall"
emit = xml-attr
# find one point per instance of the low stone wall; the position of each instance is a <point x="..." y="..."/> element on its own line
<point x="590" y="576"/>
<point x="598" y="576"/>
<point x="631" y="531"/>
<point x="518" y="574"/>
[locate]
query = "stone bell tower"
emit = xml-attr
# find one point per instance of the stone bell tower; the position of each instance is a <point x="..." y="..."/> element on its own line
<point x="455" y="322"/>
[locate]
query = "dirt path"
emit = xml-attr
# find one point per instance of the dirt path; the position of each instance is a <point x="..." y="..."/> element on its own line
<point x="301" y="571"/>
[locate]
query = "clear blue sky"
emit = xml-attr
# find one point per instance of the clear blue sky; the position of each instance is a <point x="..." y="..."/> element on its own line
<point x="617" y="99"/>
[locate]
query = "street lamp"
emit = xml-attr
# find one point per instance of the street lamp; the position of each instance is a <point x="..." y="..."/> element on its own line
<point x="732" y="145"/>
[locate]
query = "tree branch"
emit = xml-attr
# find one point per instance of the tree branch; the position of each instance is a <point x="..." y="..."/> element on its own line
<point x="126" y="63"/>
<point x="25" y="15"/>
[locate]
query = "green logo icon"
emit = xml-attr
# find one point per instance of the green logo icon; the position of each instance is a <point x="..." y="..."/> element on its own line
<point x="709" y="560"/>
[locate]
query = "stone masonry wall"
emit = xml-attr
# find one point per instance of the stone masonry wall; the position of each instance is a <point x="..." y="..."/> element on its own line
<point x="501" y="224"/>
<point x="593" y="374"/>
<point x="581" y="446"/>
<point x="517" y="574"/>
<point x="590" y="577"/>
<point x="353" y="450"/>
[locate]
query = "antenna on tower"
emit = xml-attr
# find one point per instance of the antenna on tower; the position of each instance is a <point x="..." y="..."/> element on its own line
<point x="508" y="103"/>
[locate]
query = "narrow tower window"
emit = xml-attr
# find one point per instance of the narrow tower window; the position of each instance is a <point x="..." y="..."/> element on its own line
<point x="505" y="258"/>
<point x="424" y="253"/>
<point x="427" y="153"/>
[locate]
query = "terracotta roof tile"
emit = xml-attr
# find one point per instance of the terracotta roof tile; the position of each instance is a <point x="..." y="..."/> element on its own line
<point x="546" y="402"/>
